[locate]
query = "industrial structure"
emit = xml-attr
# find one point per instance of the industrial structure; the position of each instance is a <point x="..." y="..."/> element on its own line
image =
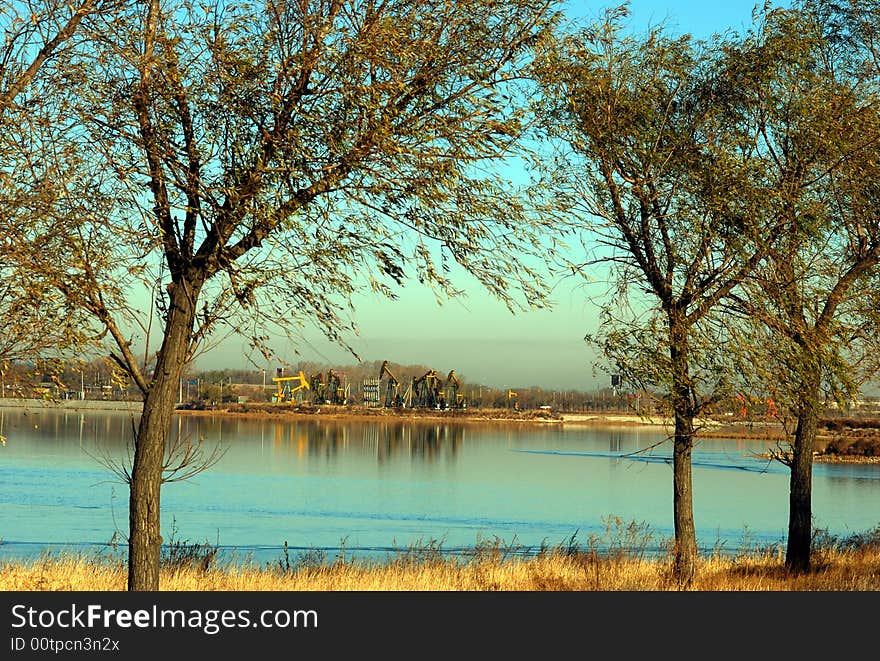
<point x="428" y="390"/>
<point x="329" y="390"/>
<point x="454" y="398"/>
<point x="393" y="396"/>
<point x="286" y="390"/>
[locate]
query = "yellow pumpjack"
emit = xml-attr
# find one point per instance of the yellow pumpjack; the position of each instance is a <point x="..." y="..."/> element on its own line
<point x="285" y="392"/>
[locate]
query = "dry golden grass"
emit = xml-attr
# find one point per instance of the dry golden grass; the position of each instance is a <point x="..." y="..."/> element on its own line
<point x="834" y="570"/>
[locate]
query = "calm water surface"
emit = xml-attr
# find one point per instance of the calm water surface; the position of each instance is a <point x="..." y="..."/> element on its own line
<point x="372" y="488"/>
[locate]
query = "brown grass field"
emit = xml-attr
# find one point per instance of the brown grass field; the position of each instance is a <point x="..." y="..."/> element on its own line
<point x="841" y="567"/>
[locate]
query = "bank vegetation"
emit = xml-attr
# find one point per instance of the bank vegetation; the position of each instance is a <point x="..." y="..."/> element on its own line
<point x="622" y="562"/>
<point x="835" y="571"/>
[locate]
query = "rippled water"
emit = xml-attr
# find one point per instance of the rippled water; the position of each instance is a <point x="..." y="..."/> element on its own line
<point x="373" y="488"/>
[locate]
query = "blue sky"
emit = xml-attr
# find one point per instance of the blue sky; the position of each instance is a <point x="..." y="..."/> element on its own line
<point x="477" y="336"/>
<point x="698" y="17"/>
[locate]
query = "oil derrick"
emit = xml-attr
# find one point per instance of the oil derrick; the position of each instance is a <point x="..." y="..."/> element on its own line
<point x="392" y="387"/>
<point x="318" y="388"/>
<point x="286" y="388"/>
<point x="334" y="392"/>
<point x="454" y="398"/>
<point x="427" y="390"/>
<point x="417" y="387"/>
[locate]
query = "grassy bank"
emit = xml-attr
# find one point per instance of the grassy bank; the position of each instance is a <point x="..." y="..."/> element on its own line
<point x="849" y="566"/>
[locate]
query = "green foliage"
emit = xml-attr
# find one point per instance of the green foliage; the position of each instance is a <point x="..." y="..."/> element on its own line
<point x="38" y="321"/>
<point x="252" y="166"/>
<point x="812" y="85"/>
<point x="647" y="169"/>
<point x="279" y="158"/>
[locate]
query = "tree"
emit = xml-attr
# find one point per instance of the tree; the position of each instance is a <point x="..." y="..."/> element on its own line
<point x="36" y="321"/>
<point x="259" y="161"/>
<point x="811" y="90"/>
<point x="33" y="33"/>
<point x="650" y="170"/>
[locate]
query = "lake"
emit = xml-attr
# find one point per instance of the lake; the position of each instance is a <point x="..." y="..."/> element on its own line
<point x="372" y="488"/>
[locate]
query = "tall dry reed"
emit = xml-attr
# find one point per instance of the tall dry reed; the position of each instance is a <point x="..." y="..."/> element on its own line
<point x="835" y="570"/>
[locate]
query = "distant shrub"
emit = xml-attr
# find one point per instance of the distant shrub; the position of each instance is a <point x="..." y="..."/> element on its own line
<point x="841" y="424"/>
<point x="865" y="447"/>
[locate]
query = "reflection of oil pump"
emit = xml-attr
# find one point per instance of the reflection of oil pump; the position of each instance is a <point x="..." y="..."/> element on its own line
<point x="392" y="389"/>
<point x="286" y="390"/>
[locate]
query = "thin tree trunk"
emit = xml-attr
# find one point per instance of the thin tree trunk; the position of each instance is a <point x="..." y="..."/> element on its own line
<point x="685" y="554"/>
<point x="800" y="513"/>
<point x="685" y="559"/>
<point x="145" y="539"/>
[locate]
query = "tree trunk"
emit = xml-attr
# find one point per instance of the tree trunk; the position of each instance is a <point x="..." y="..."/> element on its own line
<point x="685" y="556"/>
<point x="685" y="559"/>
<point x="145" y="539"/>
<point x="800" y="514"/>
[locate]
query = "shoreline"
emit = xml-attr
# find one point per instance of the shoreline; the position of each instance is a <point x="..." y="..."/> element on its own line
<point x="836" y="444"/>
<point x="706" y="427"/>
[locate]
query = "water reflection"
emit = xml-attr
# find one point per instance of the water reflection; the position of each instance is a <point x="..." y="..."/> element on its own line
<point x="377" y="483"/>
<point x="614" y="442"/>
<point x="66" y="433"/>
<point x="384" y="440"/>
<point x="111" y="433"/>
